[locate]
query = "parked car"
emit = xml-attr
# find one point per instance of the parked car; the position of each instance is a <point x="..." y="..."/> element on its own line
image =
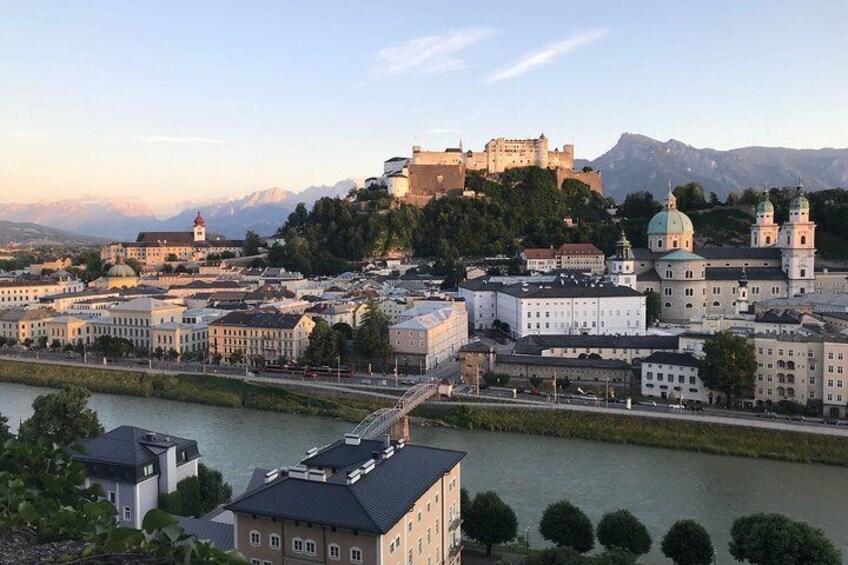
<point x="767" y="415"/>
<point x="535" y="392"/>
<point x="830" y="421"/>
<point x="652" y="403"/>
<point x="797" y="418"/>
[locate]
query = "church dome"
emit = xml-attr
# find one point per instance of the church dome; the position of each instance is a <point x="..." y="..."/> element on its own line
<point x="765" y="205"/>
<point x="800" y="201"/>
<point x="670" y="220"/>
<point x="120" y="270"/>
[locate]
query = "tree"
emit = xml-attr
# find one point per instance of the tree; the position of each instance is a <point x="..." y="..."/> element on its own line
<point x="323" y="348"/>
<point x="42" y="342"/>
<point x="134" y="265"/>
<point x="61" y="418"/>
<point x="729" y="365"/>
<point x="774" y="539"/>
<point x="690" y="196"/>
<point x="653" y="307"/>
<point x="623" y="530"/>
<point x="5" y="434"/>
<point x="237" y="357"/>
<point x="372" y="336"/>
<point x="197" y="495"/>
<point x="251" y="243"/>
<point x="490" y="520"/>
<point x="495" y="379"/>
<point x="567" y="526"/>
<point x="688" y="543"/>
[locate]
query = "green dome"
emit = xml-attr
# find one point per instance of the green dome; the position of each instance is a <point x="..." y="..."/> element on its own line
<point x="800" y="202"/>
<point x="669" y="222"/>
<point x="120" y="270"/>
<point x="765" y="205"/>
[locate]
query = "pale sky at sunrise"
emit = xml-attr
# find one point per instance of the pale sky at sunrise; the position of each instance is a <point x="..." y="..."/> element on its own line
<point x="191" y="100"/>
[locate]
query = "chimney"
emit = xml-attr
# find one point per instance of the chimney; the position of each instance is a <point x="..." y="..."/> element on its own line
<point x="352" y="439"/>
<point x="271" y="475"/>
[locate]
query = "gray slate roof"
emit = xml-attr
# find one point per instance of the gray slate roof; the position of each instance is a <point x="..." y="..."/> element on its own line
<point x="373" y="504"/>
<point x="219" y="534"/>
<point x="255" y="319"/>
<point x="673" y="358"/>
<point x="129" y="446"/>
<point x="567" y="362"/>
<point x="535" y="344"/>
<point x="753" y="273"/>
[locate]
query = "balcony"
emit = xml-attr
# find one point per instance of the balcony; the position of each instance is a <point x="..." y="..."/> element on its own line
<point x="455" y="549"/>
<point x="456" y="523"/>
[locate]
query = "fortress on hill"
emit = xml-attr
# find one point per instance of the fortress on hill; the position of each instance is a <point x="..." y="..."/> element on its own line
<point x="432" y="174"/>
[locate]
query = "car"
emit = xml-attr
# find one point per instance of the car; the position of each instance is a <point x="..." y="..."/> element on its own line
<point x="407" y="381"/>
<point x="535" y="392"/>
<point x="142" y="362"/>
<point x="675" y="407"/>
<point x="520" y="390"/>
<point x="767" y="415"/>
<point x="483" y="387"/>
<point x="652" y="403"/>
<point x="830" y="421"/>
<point x="590" y="396"/>
<point x="695" y="407"/>
<point x="70" y="355"/>
<point x="798" y="418"/>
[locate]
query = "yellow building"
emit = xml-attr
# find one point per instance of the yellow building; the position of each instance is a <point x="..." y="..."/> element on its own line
<point x="273" y="336"/>
<point x="21" y="325"/>
<point x="64" y="330"/>
<point x="153" y="249"/>
<point x="355" y="502"/>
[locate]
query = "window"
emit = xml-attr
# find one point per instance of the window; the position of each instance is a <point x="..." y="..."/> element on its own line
<point x="355" y="555"/>
<point x="335" y="552"/>
<point x="420" y="546"/>
<point x="254" y="561"/>
<point x="127" y="513"/>
<point x="297" y="545"/>
<point x="255" y="539"/>
<point x="112" y="497"/>
<point x="309" y="546"/>
<point x="274" y="540"/>
<point x="148" y="470"/>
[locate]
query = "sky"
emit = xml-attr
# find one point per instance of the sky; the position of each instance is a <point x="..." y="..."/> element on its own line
<point x="193" y="100"/>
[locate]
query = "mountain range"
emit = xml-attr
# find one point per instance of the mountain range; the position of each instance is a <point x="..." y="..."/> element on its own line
<point x="637" y="162"/>
<point x="30" y="234"/>
<point x="261" y="211"/>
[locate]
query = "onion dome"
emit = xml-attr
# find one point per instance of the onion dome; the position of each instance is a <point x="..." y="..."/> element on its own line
<point x="199" y="221"/>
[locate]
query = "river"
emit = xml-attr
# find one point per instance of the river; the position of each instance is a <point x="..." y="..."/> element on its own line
<point x="657" y="485"/>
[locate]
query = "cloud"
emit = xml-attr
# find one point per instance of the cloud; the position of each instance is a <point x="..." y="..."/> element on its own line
<point x="185" y="140"/>
<point x="431" y="53"/>
<point x="546" y="55"/>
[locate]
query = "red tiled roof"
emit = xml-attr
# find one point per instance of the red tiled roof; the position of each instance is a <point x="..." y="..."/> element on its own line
<point x="540" y="253"/>
<point x="579" y="249"/>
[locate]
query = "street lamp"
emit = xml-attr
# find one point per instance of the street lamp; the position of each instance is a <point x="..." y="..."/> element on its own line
<point x="527" y="536"/>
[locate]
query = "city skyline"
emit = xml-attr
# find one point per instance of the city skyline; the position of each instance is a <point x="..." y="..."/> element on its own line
<point x="122" y="100"/>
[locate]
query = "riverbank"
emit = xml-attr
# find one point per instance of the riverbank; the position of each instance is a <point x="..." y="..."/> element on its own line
<point x="219" y="391"/>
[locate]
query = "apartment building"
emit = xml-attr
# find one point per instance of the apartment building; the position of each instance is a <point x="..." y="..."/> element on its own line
<point x="803" y="368"/>
<point x="272" y="335"/>
<point x="21" y="325"/>
<point x="675" y="376"/>
<point x="355" y="502"/>
<point x="64" y="330"/>
<point x="629" y="348"/>
<point x="428" y="335"/>
<point x="20" y="293"/>
<point x="134" y="466"/>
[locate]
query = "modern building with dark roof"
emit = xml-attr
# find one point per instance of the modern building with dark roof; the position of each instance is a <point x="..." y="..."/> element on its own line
<point x="356" y="501"/>
<point x="134" y="466"/>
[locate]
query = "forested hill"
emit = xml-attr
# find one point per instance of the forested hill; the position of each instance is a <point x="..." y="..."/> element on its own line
<point x="524" y="208"/>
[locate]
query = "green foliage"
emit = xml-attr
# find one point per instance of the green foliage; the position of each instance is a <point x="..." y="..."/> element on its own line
<point x="236" y="357"/>
<point x="690" y="196"/>
<point x="372" y="336"/>
<point x="567" y="556"/>
<point x="251" y="243"/>
<point x="490" y="520"/>
<point x="323" y="348"/>
<point x="5" y="434"/>
<point x="688" y="543"/>
<point x="43" y="491"/>
<point x="61" y="418"/>
<point x="729" y="365"/>
<point x="567" y="526"/>
<point x="495" y="379"/>
<point x="113" y="346"/>
<point x="196" y="496"/>
<point x="623" y="530"/>
<point x="774" y="539"/>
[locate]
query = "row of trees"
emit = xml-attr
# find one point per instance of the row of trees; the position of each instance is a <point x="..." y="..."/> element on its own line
<point x="759" y="539"/>
<point x="327" y="345"/>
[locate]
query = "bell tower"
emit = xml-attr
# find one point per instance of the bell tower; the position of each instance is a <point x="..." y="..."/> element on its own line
<point x="798" y="243"/>
<point x="764" y="232"/>
<point x="622" y="266"/>
<point x="199" y="228"/>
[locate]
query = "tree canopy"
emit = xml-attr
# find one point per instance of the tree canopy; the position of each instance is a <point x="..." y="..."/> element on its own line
<point x="251" y="243"/>
<point x="688" y="543"/>
<point x="774" y="539"/>
<point x="197" y="495"/>
<point x="62" y="418"/>
<point x="623" y="530"/>
<point x="567" y="526"/>
<point x="729" y="365"/>
<point x="323" y="348"/>
<point x="490" y="520"/>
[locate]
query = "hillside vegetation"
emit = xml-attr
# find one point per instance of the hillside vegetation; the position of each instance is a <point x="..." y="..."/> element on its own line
<point x="522" y="208"/>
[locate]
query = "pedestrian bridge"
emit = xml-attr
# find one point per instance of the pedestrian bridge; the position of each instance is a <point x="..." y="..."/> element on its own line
<point x="384" y="420"/>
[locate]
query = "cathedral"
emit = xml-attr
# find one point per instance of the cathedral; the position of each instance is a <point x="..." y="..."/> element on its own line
<point x="693" y="282"/>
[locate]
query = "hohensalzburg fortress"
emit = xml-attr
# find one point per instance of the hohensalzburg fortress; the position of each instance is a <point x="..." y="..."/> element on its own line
<point x="430" y="174"/>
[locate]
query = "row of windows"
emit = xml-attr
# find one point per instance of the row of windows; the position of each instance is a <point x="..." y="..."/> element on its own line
<point x="304" y="547"/>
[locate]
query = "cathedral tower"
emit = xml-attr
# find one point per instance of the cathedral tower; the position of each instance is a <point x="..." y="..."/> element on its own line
<point x="622" y="267"/>
<point x="798" y="244"/>
<point x="764" y="232"/>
